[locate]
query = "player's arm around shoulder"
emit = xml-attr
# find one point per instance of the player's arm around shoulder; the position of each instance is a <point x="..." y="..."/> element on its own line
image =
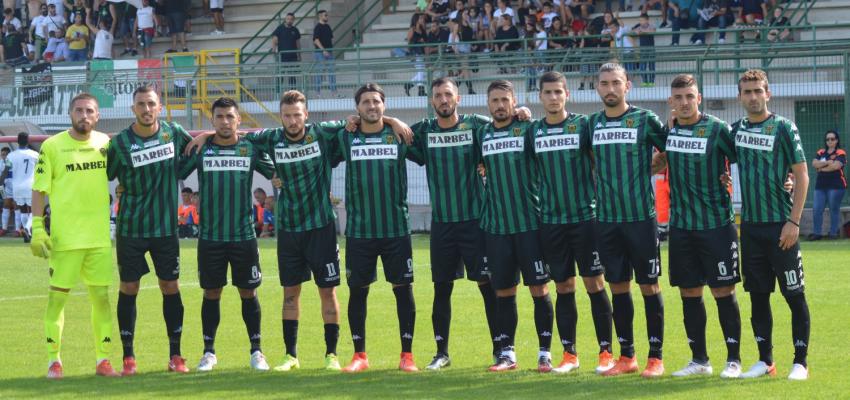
<point x="263" y="163"/>
<point x="656" y="130"/>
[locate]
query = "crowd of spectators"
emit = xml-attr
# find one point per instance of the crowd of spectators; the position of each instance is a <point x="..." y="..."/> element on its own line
<point x="78" y="30"/>
<point x="455" y="27"/>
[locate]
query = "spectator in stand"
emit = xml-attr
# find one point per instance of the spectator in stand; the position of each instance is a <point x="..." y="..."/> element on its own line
<point x="126" y="28"/>
<point x="779" y="23"/>
<point x="547" y="15"/>
<point x="74" y="7"/>
<point x="56" y="21"/>
<point x="100" y="10"/>
<point x="14" y="47"/>
<point x="39" y="31"/>
<point x="591" y="43"/>
<point x="503" y="7"/>
<point x="323" y="37"/>
<point x="11" y="24"/>
<point x="506" y="31"/>
<point x="753" y="11"/>
<point x="145" y="25"/>
<point x="622" y="6"/>
<point x="194" y="216"/>
<point x="623" y="45"/>
<point x="257" y="210"/>
<point x="683" y="19"/>
<point x="102" y="39"/>
<point x="416" y="37"/>
<point x="646" y="40"/>
<point x="461" y="35"/>
<point x="60" y="10"/>
<point x="457" y="11"/>
<point x="217" y="12"/>
<point x="829" y="186"/>
<point x="540" y="43"/>
<point x="161" y="18"/>
<point x="438" y="10"/>
<point x="268" y="217"/>
<point x="175" y="12"/>
<point x="77" y="37"/>
<point x="655" y="4"/>
<point x="580" y="9"/>
<point x="57" y="48"/>
<point x="474" y="18"/>
<point x="286" y="41"/>
<point x="714" y="13"/>
<point x="488" y="26"/>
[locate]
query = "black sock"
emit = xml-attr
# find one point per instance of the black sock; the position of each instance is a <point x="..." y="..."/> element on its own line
<point x="600" y="307"/>
<point x="566" y="316"/>
<point x="693" y="310"/>
<point x="290" y="336"/>
<point x="127" y="321"/>
<point x="331" y="338"/>
<point x="172" y="310"/>
<point x="624" y="314"/>
<point x="251" y="316"/>
<point x="654" y="307"/>
<point x="210" y="318"/>
<point x="730" y="324"/>
<point x="543" y="314"/>
<point x="489" y="296"/>
<point x="441" y="315"/>
<point x="406" y="310"/>
<point x="357" y="317"/>
<point x="506" y="307"/>
<point x="800" y="326"/>
<point x="762" y="322"/>
<point x="126" y="311"/>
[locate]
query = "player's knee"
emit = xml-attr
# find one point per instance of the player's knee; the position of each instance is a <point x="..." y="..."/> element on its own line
<point x="245" y="293"/>
<point x="129" y="288"/>
<point x="212" y="294"/>
<point x="506" y="292"/>
<point x="289" y="291"/>
<point x="724" y="291"/>
<point x="650" y="289"/>
<point x="692" y="292"/>
<point x="620" y="287"/>
<point x="594" y="284"/>
<point x="169" y="287"/>
<point x="327" y="294"/>
<point x="58" y="289"/>
<point x="567" y="286"/>
<point x="539" y="290"/>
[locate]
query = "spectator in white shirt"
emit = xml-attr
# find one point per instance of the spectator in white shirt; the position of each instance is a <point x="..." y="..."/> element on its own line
<point x="503" y="8"/>
<point x="10" y="23"/>
<point x="60" y="7"/>
<point x="548" y="15"/>
<point x="103" y="39"/>
<point x="146" y="23"/>
<point x="38" y="30"/>
<point x="55" y="20"/>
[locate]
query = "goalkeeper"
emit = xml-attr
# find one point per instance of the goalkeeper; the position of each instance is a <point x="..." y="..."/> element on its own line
<point x="71" y="170"/>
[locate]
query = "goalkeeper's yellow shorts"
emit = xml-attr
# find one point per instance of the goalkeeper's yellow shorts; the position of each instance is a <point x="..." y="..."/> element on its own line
<point x="94" y="266"/>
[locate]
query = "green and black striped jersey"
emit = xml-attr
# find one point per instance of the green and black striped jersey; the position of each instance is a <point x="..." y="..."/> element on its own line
<point x="511" y="202"/>
<point x="147" y="170"/>
<point x="451" y="163"/>
<point x="697" y="155"/>
<point x="375" y="184"/>
<point x="304" y="167"/>
<point x="765" y="152"/>
<point x="622" y="149"/>
<point x="565" y="166"/>
<point x="225" y="176"/>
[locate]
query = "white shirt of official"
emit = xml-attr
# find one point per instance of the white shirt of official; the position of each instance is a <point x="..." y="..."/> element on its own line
<point x="23" y="171"/>
<point x="145" y="17"/>
<point x="103" y="44"/>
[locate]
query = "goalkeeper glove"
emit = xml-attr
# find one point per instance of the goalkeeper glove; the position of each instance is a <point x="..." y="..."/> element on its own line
<point x="40" y="244"/>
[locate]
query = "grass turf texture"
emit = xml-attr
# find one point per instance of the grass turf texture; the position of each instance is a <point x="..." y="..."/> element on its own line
<point x="23" y="360"/>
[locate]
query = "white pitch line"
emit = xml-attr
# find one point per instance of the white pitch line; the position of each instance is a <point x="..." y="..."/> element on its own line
<point x="83" y="293"/>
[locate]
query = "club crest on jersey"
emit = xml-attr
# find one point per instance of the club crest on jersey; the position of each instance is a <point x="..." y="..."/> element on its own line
<point x="571" y="128"/>
<point x="463" y="126"/>
<point x="390" y="139"/>
<point x="102" y="152"/>
<point x="309" y="139"/>
<point x="517" y="131"/>
<point x="243" y="151"/>
<point x="768" y="129"/>
<point x="165" y="136"/>
<point x="630" y="123"/>
<point x="701" y="132"/>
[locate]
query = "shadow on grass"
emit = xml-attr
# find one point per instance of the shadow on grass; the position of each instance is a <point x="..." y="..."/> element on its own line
<point x="464" y="383"/>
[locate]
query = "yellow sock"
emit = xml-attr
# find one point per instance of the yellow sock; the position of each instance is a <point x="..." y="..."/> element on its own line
<point x="54" y="322"/>
<point x="101" y="320"/>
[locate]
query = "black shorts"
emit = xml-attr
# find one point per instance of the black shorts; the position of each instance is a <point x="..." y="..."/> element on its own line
<point x="706" y="257"/>
<point x="176" y="23"/>
<point x="455" y="244"/>
<point x="165" y="254"/>
<point x="361" y="260"/>
<point x="629" y="246"/>
<point x="510" y="255"/>
<point x="243" y="257"/>
<point x="302" y="254"/>
<point x="764" y="263"/>
<point x="217" y="10"/>
<point x="565" y="245"/>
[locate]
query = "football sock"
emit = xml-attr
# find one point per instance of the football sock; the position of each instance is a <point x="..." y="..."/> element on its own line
<point x="290" y="336"/>
<point x="441" y="315"/>
<point x="172" y="311"/>
<point x="331" y="338"/>
<point x="251" y="315"/>
<point x="624" y="314"/>
<point x="506" y="307"/>
<point x="600" y="307"/>
<point x="406" y="310"/>
<point x="26" y="222"/>
<point x="762" y="322"/>
<point x="800" y="326"/>
<point x="654" y="308"/>
<point x="127" y="321"/>
<point x="730" y="323"/>
<point x="543" y="315"/>
<point x="210" y="318"/>
<point x="566" y="316"/>
<point x="17" y="220"/>
<point x="5" y="223"/>
<point x="693" y="310"/>
<point x="54" y="322"/>
<point x="489" y="296"/>
<point x="101" y="320"/>
<point x="357" y="317"/>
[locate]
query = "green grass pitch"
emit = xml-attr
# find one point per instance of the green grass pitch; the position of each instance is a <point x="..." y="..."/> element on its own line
<point x="23" y="360"/>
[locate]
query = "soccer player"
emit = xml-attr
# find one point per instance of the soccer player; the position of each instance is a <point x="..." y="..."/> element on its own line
<point x="8" y="203"/>
<point x="142" y="158"/>
<point x="226" y="165"/>
<point x="703" y="238"/>
<point x="71" y="170"/>
<point x="768" y="147"/>
<point x="510" y="220"/>
<point x="626" y="236"/>
<point x="567" y="200"/>
<point x="377" y="222"/>
<point x="22" y="166"/>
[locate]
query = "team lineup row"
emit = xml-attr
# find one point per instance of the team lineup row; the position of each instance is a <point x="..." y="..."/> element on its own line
<point x="511" y="198"/>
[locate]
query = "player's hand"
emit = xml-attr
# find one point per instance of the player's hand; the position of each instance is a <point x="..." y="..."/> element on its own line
<point x="199" y="141"/>
<point x="726" y="180"/>
<point x="482" y="170"/>
<point x="40" y="244"/>
<point x="671" y="120"/>
<point x="402" y="132"/>
<point x="523" y="113"/>
<point x="789" y="183"/>
<point x="352" y="122"/>
<point x="788" y="237"/>
<point x="277" y="183"/>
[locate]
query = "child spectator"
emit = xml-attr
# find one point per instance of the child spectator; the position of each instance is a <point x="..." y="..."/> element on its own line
<point x="268" y="217"/>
